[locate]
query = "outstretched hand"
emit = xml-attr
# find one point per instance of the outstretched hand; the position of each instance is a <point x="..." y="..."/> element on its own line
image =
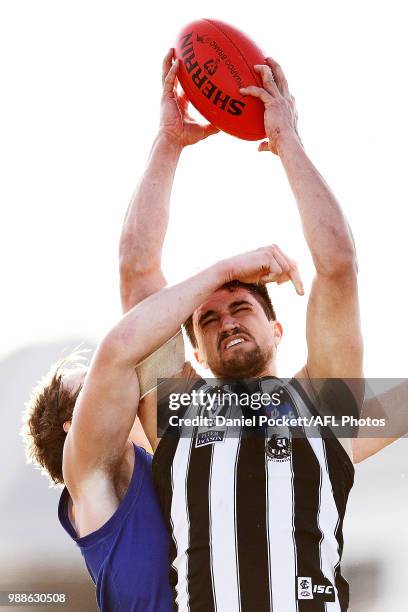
<point x="175" y="120"/>
<point x="280" y="110"/>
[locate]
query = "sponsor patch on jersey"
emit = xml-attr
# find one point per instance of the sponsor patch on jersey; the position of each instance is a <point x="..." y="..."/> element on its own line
<point x="278" y="448"/>
<point x="307" y="588"/>
<point x="209" y="437"/>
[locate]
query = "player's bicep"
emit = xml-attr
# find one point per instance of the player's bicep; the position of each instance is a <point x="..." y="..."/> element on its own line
<point x="102" y="419"/>
<point x="334" y="341"/>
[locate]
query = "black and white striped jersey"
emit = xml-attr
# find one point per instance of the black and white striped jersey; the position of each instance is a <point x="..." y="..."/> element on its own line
<point x="256" y="521"/>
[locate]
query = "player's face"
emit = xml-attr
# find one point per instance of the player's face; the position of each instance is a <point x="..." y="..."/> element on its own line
<point x="234" y="336"/>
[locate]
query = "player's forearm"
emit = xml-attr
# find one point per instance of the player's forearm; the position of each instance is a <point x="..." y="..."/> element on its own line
<point x="146" y="220"/>
<point x="157" y="318"/>
<point x="324" y="225"/>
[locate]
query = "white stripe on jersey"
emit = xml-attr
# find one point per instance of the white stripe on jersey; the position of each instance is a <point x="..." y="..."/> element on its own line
<point x="223" y="525"/>
<point x="180" y="519"/>
<point x="282" y="553"/>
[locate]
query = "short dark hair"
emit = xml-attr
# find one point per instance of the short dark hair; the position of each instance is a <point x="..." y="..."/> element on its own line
<point x="260" y="292"/>
<point x="50" y="406"/>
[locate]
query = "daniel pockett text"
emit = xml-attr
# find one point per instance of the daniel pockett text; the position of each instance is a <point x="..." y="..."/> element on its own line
<point x="282" y="421"/>
<point x="260" y="406"/>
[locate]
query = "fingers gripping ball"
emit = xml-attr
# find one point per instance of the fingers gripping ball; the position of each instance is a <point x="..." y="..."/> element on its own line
<point x="216" y="60"/>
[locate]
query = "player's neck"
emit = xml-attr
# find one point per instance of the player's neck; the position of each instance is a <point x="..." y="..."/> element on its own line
<point x="270" y="369"/>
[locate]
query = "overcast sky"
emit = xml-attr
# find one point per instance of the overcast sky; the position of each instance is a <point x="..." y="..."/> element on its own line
<point x="80" y="94"/>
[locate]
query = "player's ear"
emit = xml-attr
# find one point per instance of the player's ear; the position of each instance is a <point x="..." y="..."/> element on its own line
<point x="200" y="359"/>
<point x="277" y="332"/>
<point x="67" y="425"/>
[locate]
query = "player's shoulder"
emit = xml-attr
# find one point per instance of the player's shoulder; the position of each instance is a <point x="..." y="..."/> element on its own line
<point x="302" y="378"/>
<point x="333" y="396"/>
<point x="188" y="372"/>
<point x="348" y="392"/>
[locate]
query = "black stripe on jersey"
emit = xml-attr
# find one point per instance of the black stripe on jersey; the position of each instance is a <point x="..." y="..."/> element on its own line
<point x="308" y="536"/>
<point x="306" y="501"/>
<point x="162" y="479"/>
<point x="251" y="525"/>
<point x="343" y="589"/>
<point x="341" y="474"/>
<point x="199" y="570"/>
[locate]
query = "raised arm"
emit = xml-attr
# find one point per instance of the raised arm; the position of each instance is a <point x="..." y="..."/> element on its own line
<point x="333" y="321"/>
<point x="146" y="220"/>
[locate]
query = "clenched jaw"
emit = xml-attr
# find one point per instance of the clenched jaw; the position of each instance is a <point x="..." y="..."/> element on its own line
<point x="233" y="340"/>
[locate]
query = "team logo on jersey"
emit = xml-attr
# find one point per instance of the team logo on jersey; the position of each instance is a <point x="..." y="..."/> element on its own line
<point x="308" y="589"/>
<point x="304" y="588"/>
<point x="211" y="66"/>
<point x="278" y="448"/>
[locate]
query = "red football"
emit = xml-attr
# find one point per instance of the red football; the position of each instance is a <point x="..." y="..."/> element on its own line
<point x="215" y="61"/>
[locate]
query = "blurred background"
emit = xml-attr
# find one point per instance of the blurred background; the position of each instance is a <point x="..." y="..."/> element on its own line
<point x="79" y="110"/>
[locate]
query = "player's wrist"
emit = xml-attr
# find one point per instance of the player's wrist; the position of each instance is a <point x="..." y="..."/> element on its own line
<point x="217" y="274"/>
<point x="287" y="140"/>
<point x="170" y="140"/>
<point x="204" y="283"/>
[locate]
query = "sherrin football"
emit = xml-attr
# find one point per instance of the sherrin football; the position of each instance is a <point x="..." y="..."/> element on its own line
<point x="216" y="60"/>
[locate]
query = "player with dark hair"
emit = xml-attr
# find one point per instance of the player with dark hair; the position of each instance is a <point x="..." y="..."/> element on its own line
<point x="260" y="292"/>
<point x="256" y="522"/>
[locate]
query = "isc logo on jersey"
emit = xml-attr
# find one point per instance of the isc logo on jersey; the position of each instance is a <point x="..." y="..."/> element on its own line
<point x="307" y="589"/>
